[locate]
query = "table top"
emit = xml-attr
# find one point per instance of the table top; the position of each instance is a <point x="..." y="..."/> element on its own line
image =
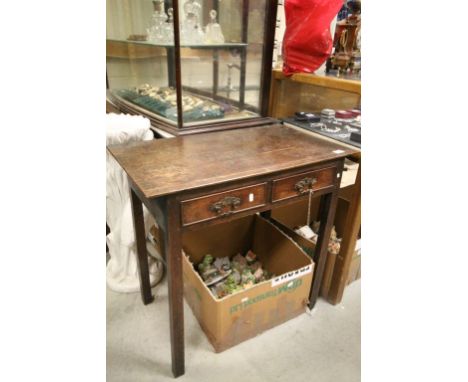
<point x="167" y="166"/>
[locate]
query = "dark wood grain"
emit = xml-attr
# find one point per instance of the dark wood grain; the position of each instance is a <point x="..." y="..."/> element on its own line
<point x="348" y="244"/>
<point x="198" y="209"/>
<point x="177" y="64"/>
<point x="243" y="53"/>
<point x="327" y="213"/>
<point x="173" y="248"/>
<point x="166" y="166"/>
<point x="195" y="171"/>
<point x="142" y="256"/>
<point x="267" y="57"/>
<point x="284" y="188"/>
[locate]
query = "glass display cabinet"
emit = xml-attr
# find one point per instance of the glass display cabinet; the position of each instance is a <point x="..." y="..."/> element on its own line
<point x="191" y="65"/>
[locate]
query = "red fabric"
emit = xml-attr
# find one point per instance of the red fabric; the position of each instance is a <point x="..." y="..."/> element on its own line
<point x="307" y="41"/>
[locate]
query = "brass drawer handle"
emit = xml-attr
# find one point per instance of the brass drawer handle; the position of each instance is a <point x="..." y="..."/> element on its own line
<point x="305" y="185"/>
<point x="231" y="202"/>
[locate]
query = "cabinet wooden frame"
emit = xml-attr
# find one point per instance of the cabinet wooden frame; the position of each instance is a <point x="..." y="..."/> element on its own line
<point x="282" y="107"/>
<point x="173" y="53"/>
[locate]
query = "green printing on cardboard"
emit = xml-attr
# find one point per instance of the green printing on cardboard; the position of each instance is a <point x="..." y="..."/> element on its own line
<point x="286" y="287"/>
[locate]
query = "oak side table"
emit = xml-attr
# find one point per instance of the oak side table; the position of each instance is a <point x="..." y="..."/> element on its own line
<point x="193" y="181"/>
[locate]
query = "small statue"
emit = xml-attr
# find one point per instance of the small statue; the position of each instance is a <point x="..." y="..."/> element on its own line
<point x="225" y="277"/>
<point x="248" y="279"/>
<point x="334" y="243"/>
<point x="239" y="262"/>
<point x="205" y="264"/>
<point x="255" y="266"/>
<point x="223" y="263"/>
<point x="258" y="275"/>
<point x="237" y="276"/>
<point x="250" y="257"/>
<point x="214" y="34"/>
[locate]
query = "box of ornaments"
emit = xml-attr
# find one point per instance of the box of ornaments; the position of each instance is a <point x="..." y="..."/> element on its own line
<point x="291" y="219"/>
<point x="244" y="277"/>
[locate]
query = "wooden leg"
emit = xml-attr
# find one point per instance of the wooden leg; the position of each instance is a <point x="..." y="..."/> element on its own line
<point x="348" y="244"/>
<point x="142" y="256"/>
<point x="327" y="213"/>
<point x="173" y="249"/>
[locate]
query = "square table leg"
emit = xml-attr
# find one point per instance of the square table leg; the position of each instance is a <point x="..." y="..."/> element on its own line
<point x="142" y="255"/>
<point x="173" y="249"/>
<point x="348" y="244"/>
<point x="327" y="210"/>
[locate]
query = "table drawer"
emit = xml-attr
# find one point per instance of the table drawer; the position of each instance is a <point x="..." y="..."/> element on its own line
<point x="300" y="184"/>
<point x="223" y="204"/>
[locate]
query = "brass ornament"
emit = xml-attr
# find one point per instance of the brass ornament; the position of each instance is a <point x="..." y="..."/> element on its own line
<point x="230" y="202"/>
<point x="305" y="185"/>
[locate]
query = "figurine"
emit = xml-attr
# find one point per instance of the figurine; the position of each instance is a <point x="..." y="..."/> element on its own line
<point x="250" y="257"/>
<point x="236" y="275"/>
<point x="214" y="34"/>
<point x="239" y="262"/>
<point x="206" y="263"/>
<point x="334" y="243"/>
<point x="223" y="263"/>
<point x="255" y="266"/>
<point x="225" y="277"/>
<point x="248" y="279"/>
<point x="213" y="271"/>
<point x="258" y="274"/>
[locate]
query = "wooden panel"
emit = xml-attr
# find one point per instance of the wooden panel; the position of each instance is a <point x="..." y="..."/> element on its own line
<point x="285" y="188"/>
<point x="124" y="49"/>
<point x="310" y="92"/>
<point x="202" y="209"/>
<point x="320" y="80"/>
<point x="164" y="166"/>
<point x="295" y="96"/>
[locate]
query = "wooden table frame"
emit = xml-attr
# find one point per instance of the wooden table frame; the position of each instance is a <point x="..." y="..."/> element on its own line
<point x="169" y="208"/>
<point x="166" y="211"/>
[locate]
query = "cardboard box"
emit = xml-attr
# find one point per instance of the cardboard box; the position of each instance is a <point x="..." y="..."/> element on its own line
<point x="295" y="215"/>
<point x="243" y="315"/>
